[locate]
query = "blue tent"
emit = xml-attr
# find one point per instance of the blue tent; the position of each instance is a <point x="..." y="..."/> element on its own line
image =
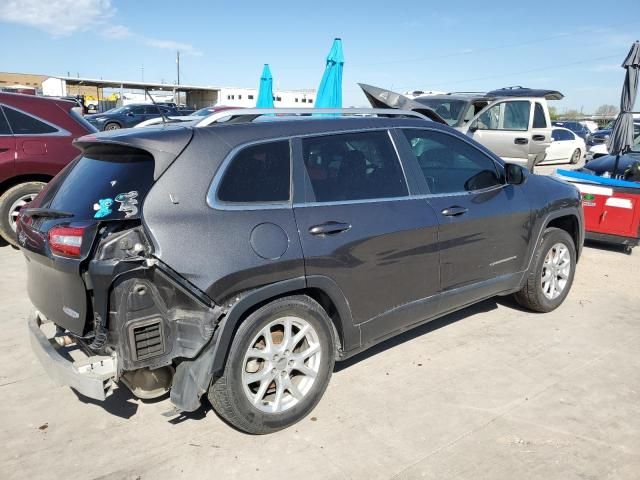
<point x="265" y="92"/>
<point x="330" y="91"/>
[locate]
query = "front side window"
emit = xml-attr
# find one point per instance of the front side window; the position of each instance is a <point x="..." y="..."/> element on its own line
<point x="352" y="166"/>
<point x="23" y="124"/>
<point x="513" y="115"/>
<point x="258" y="174"/>
<point x="137" y="110"/>
<point x="451" y="165"/>
<point x="152" y="110"/>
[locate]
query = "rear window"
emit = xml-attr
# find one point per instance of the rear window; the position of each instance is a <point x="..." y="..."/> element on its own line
<point x="23" y="124"/>
<point x="106" y="185"/>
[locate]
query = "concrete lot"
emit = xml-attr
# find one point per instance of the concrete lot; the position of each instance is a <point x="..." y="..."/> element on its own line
<point x="492" y="392"/>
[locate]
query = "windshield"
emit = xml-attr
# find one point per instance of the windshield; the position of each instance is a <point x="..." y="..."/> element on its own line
<point x="118" y="110"/>
<point x="203" y="112"/>
<point x="450" y="110"/>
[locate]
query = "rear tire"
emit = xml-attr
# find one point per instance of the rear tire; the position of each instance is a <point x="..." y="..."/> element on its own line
<point x="11" y="202"/>
<point x="575" y="156"/>
<point x="270" y="384"/>
<point x="551" y="272"/>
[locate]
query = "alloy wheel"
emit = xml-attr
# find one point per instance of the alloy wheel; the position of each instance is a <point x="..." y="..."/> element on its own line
<point x="555" y="271"/>
<point x="14" y="210"/>
<point x="281" y="364"/>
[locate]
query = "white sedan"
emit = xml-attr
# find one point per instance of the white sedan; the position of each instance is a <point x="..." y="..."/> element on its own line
<point x="566" y="147"/>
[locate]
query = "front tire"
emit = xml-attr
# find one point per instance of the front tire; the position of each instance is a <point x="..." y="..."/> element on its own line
<point x="112" y="126"/>
<point x="551" y="273"/>
<point x="11" y="202"/>
<point x="278" y="368"/>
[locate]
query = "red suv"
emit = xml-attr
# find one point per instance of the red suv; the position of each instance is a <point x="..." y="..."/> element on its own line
<point x="35" y="144"/>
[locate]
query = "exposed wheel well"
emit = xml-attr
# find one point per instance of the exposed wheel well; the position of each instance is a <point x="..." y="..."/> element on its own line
<point x="13" y="181"/>
<point x="568" y="223"/>
<point x="316" y="294"/>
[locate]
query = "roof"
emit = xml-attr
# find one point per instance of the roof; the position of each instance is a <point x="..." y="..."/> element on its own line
<point x="166" y="141"/>
<point x="99" y="82"/>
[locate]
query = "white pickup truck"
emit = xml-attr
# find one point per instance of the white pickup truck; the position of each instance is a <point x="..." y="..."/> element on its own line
<point x="513" y="122"/>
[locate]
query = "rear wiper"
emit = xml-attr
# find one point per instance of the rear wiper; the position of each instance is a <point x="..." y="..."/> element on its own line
<point x="45" y="212"/>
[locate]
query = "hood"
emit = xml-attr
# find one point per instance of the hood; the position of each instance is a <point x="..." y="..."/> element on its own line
<point x="381" y="98"/>
<point x="605" y="163"/>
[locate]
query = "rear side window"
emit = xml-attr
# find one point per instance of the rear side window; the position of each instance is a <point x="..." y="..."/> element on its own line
<point x="451" y="165"/>
<point x="258" y="174"/>
<point x="352" y="166"/>
<point x="4" y="126"/>
<point x="539" y="120"/>
<point x="108" y="185"/>
<point x="23" y="124"/>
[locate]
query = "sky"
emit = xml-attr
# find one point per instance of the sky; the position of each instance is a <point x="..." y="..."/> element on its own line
<point x="574" y="47"/>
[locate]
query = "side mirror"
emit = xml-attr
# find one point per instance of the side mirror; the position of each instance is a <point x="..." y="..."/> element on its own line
<point x="514" y="174"/>
<point x="474" y="126"/>
<point x="129" y="114"/>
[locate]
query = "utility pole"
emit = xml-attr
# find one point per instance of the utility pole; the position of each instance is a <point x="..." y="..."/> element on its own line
<point x="178" y="65"/>
<point x="142" y="72"/>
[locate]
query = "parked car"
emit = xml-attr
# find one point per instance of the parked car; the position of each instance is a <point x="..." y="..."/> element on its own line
<point x="566" y="147"/>
<point x="35" y="144"/>
<point x="203" y="112"/>
<point x="128" y="116"/>
<point x="576" y="127"/>
<point x="598" y="141"/>
<point x="590" y="125"/>
<point x="512" y="122"/>
<point x="242" y="260"/>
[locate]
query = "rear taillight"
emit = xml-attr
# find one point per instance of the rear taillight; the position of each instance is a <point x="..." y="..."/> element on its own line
<point x="66" y="241"/>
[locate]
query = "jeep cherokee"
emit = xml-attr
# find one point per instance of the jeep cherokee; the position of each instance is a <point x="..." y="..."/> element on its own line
<point x="240" y="260"/>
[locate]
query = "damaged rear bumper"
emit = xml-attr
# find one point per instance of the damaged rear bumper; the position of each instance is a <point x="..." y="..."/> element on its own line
<point x="92" y="376"/>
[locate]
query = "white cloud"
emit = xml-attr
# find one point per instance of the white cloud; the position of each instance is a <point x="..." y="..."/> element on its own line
<point x="116" y="32"/>
<point x="171" y="45"/>
<point x="59" y="17"/>
<point x="65" y="17"/>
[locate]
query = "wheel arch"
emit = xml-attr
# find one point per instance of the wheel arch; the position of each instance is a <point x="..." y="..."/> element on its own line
<point x="570" y="224"/>
<point x="321" y="289"/>
<point x="18" y="179"/>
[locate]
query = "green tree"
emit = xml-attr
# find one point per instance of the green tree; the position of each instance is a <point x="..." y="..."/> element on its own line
<point x="553" y="113"/>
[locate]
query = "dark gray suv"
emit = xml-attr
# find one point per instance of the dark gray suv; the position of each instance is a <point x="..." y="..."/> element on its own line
<point x="241" y="260"/>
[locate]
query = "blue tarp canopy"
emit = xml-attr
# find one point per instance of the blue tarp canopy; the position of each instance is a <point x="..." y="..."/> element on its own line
<point x="265" y="92"/>
<point x="330" y="91"/>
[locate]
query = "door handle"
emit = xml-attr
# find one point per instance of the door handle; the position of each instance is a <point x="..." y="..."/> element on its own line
<point x="538" y="138"/>
<point x="454" y="211"/>
<point x="329" y="228"/>
<point x="2" y="150"/>
<point x="521" y="141"/>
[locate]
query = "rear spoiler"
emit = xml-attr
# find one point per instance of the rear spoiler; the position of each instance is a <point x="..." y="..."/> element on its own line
<point x="526" y="92"/>
<point x="164" y="143"/>
<point x="381" y="98"/>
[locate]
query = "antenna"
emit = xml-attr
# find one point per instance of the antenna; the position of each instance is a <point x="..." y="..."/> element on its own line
<point x="164" y="119"/>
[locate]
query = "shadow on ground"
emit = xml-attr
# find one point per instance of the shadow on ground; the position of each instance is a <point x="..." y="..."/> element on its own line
<point x="610" y="247"/>
<point x="485" y="306"/>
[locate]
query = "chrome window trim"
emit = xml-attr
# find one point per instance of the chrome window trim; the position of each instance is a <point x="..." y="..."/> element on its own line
<point x="212" y="194"/>
<point x="215" y="203"/>
<point x="60" y="132"/>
